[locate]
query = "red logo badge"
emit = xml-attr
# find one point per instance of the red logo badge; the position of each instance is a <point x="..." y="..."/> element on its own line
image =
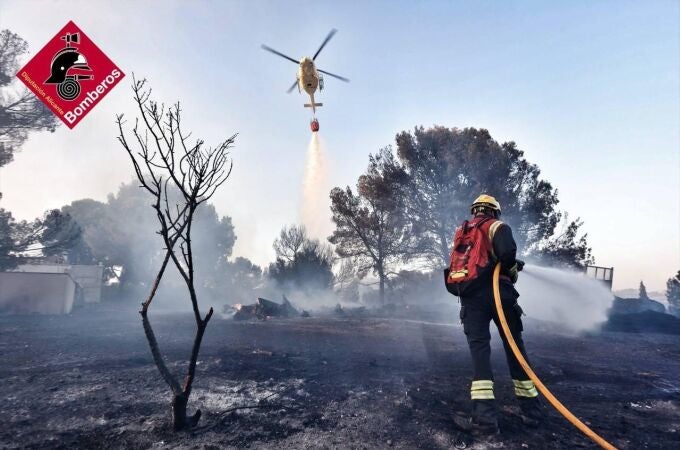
<point x="70" y="74"/>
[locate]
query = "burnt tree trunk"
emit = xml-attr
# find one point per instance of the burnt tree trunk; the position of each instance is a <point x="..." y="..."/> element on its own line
<point x="180" y="421"/>
<point x="180" y="395"/>
<point x="381" y="278"/>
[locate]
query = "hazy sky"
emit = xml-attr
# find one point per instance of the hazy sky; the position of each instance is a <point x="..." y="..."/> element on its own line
<point x="589" y="90"/>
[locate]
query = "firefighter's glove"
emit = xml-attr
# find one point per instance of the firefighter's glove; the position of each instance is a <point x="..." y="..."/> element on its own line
<point x="520" y="265"/>
<point x="513" y="273"/>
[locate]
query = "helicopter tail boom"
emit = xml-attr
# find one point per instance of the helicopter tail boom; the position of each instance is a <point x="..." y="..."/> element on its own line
<point x="312" y="104"/>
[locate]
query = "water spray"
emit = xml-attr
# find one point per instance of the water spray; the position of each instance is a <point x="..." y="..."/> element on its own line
<point x="571" y="299"/>
<point x="527" y="369"/>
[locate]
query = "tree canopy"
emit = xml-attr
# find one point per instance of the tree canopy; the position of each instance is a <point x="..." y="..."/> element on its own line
<point x="410" y="200"/>
<point x="121" y="233"/>
<point x="371" y="226"/>
<point x="643" y="292"/>
<point x="54" y="235"/>
<point x="448" y="167"/>
<point x="20" y="110"/>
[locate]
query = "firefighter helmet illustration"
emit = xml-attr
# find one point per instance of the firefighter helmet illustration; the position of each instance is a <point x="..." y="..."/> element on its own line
<point x="63" y="62"/>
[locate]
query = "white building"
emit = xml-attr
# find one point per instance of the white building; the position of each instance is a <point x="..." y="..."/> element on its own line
<point x="49" y="288"/>
<point x="34" y="292"/>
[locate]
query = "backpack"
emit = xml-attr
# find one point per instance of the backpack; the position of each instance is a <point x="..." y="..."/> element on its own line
<point x="472" y="253"/>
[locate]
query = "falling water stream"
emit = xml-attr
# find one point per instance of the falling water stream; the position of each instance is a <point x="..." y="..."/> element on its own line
<point x="315" y="201"/>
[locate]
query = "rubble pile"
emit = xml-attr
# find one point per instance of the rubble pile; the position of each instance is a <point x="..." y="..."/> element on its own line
<point x="264" y="309"/>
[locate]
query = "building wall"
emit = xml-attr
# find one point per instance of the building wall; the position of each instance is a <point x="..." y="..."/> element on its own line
<point x="32" y="292"/>
<point x="87" y="277"/>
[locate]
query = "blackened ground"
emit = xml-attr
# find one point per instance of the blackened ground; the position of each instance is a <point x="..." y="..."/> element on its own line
<point x="87" y="381"/>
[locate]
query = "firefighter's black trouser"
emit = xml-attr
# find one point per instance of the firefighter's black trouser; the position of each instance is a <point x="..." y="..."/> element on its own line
<point x="476" y="312"/>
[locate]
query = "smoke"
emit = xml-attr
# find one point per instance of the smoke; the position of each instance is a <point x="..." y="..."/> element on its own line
<point x="315" y="200"/>
<point x="312" y="300"/>
<point x="570" y="299"/>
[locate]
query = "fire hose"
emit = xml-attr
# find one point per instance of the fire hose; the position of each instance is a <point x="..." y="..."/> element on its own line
<point x="525" y="365"/>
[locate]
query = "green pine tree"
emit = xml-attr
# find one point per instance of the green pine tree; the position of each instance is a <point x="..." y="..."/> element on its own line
<point x="643" y="292"/>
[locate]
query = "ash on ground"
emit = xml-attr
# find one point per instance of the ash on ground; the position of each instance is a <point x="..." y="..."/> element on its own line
<point x="87" y="380"/>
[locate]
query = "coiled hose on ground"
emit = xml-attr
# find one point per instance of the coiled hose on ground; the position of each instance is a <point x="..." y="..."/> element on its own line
<point x="523" y="362"/>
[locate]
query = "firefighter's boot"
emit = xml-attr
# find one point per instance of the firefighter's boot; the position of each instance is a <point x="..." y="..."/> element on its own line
<point x="484" y="419"/>
<point x="532" y="411"/>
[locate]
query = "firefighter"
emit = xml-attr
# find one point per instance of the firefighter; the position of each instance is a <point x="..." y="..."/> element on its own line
<point x="478" y="245"/>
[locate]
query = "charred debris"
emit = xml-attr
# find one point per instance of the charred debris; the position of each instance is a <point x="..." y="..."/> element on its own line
<point x="264" y="309"/>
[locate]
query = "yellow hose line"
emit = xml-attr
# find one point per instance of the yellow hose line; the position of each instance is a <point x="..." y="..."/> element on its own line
<point x="523" y="362"/>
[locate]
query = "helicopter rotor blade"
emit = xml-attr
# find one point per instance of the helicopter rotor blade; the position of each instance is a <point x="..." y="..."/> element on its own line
<point x="323" y="44"/>
<point x="346" y="80"/>
<point x="269" y="49"/>
<point x="290" y="89"/>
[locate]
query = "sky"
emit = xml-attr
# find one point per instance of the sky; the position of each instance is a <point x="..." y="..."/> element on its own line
<point x="589" y="90"/>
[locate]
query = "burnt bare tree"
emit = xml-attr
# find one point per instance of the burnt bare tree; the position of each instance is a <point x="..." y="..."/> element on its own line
<point x="301" y="262"/>
<point x="346" y="280"/>
<point x="290" y="242"/>
<point x="166" y="162"/>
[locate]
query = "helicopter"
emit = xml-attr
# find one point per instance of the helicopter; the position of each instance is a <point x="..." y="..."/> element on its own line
<point x="308" y="77"/>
